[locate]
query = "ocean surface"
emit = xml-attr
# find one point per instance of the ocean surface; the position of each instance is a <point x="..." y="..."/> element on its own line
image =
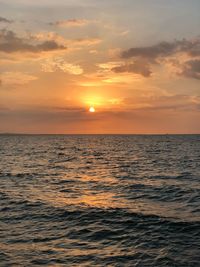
<point x="100" y="200"/>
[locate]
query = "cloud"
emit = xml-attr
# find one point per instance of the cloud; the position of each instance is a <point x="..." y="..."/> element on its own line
<point x="70" y="23"/>
<point x="52" y="36"/>
<point x="137" y="67"/>
<point x="151" y="52"/>
<point x="86" y="41"/>
<point x="107" y="66"/>
<point x="15" y="78"/>
<point x="164" y="49"/>
<point x="163" y="102"/>
<point x="70" y="109"/>
<point x="47" y="115"/>
<point x="11" y="43"/>
<point x="4" y="20"/>
<point x="191" y="69"/>
<point x="52" y="65"/>
<point x="181" y="56"/>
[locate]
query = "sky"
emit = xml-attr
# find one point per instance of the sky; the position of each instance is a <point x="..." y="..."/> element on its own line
<point x="136" y="62"/>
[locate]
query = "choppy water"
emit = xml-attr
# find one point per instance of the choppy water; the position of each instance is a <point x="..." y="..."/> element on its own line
<point x="100" y="200"/>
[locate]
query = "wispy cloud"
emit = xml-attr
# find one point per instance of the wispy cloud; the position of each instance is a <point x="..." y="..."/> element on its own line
<point x="15" y="78"/>
<point x="55" y="64"/>
<point x="70" y="23"/>
<point x="175" y="102"/>
<point x="52" y="36"/>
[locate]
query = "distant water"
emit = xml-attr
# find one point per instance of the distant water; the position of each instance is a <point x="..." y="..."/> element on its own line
<point x="100" y="200"/>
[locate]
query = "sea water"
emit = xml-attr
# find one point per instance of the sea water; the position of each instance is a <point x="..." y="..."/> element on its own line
<point x="100" y="200"/>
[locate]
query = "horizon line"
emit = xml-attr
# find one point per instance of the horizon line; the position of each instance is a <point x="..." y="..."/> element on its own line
<point x="8" y="133"/>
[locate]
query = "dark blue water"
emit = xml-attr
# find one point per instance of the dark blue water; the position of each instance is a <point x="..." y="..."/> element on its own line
<point x="100" y="200"/>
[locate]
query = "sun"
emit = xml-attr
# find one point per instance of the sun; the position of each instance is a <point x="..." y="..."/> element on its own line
<point x="92" y="109"/>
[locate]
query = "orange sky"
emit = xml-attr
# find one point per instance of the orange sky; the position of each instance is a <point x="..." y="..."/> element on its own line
<point x="136" y="62"/>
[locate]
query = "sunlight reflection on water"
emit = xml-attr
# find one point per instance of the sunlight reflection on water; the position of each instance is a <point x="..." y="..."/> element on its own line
<point x="96" y="200"/>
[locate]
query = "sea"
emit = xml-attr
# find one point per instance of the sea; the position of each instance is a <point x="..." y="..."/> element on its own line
<point x="100" y="200"/>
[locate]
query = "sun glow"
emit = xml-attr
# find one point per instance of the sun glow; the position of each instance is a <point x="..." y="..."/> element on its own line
<point x="92" y="109"/>
<point x="93" y="100"/>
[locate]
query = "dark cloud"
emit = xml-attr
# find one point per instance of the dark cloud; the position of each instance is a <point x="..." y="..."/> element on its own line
<point x="147" y="56"/>
<point x="48" y="46"/>
<point x="193" y="48"/>
<point x="164" y="49"/>
<point x="151" y="52"/>
<point x="138" y="67"/>
<point x="5" y="20"/>
<point x="192" y="69"/>
<point x="49" y="115"/>
<point x="10" y="42"/>
<point x="68" y="109"/>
